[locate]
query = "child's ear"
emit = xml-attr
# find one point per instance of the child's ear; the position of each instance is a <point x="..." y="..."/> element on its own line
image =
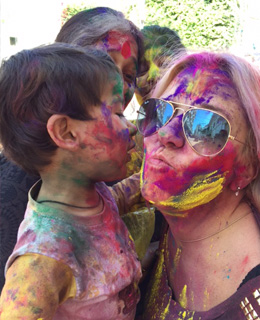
<point x="60" y="128"/>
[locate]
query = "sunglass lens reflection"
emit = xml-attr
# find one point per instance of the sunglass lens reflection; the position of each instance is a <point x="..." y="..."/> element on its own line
<point x="152" y="115"/>
<point x="206" y="131"/>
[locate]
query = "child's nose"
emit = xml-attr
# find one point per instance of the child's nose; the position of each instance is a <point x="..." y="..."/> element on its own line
<point x="172" y="133"/>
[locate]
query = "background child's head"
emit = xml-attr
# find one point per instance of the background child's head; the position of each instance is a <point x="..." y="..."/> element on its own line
<point x="108" y="30"/>
<point x="36" y="84"/>
<point x="161" y="46"/>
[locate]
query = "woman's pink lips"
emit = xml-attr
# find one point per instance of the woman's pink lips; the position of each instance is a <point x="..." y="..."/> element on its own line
<point x="158" y="165"/>
<point x="159" y="160"/>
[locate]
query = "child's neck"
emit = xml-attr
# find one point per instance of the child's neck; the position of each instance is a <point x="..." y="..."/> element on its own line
<point x="71" y="196"/>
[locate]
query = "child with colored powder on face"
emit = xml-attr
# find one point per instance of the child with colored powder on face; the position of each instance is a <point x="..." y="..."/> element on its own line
<point x="61" y="117"/>
<point x="111" y="32"/>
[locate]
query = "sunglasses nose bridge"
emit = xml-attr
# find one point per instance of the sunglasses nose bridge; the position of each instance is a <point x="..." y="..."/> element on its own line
<point x="176" y="113"/>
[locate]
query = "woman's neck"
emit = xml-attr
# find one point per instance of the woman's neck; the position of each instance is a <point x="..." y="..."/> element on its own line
<point x="211" y="219"/>
<point x="197" y="268"/>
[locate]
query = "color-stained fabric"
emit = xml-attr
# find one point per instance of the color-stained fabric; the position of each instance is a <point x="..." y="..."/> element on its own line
<point x="93" y="259"/>
<point x="139" y="219"/>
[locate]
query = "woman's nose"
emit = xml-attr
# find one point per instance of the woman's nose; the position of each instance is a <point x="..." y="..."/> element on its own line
<point x="132" y="128"/>
<point x="172" y="133"/>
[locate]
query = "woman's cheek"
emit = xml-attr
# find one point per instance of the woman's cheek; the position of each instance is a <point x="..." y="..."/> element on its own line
<point x="184" y="188"/>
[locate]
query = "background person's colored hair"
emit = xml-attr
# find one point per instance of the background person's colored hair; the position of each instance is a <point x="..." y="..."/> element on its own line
<point x="161" y="46"/>
<point x="246" y="81"/>
<point x="88" y="27"/>
<point x="164" y="41"/>
<point x="37" y="83"/>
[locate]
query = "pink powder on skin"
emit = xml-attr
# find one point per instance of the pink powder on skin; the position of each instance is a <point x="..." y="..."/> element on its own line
<point x="126" y="50"/>
<point x="116" y="41"/>
<point x="244" y="263"/>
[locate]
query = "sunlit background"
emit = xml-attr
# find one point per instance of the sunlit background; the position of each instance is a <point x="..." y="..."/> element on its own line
<point x="29" y="23"/>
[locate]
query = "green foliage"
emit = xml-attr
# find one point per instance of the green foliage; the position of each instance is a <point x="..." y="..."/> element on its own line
<point x="199" y="23"/>
<point x="71" y="10"/>
<point x="204" y="24"/>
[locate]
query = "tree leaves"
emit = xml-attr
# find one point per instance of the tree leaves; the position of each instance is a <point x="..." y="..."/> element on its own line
<point x="199" y="23"/>
<point x="204" y="24"/>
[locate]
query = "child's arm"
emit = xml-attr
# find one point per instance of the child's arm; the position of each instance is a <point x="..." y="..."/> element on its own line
<point x="127" y="193"/>
<point x="35" y="286"/>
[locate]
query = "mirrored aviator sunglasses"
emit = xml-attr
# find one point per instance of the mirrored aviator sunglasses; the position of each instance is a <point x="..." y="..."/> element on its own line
<point x="206" y="131"/>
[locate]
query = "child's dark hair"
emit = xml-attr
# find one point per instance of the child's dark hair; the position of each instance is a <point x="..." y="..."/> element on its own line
<point x="37" y="83"/>
<point x="87" y="27"/>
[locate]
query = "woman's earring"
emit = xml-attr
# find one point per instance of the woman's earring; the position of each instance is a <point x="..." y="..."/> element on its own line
<point x="237" y="192"/>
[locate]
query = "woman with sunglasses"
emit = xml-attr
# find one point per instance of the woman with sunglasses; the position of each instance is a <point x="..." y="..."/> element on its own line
<point x="201" y="170"/>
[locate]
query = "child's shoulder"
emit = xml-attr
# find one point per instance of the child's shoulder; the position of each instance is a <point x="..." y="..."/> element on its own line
<point x="104" y="191"/>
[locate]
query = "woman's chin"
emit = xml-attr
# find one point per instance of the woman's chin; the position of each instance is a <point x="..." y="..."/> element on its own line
<point x="153" y="194"/>
<point x="180" y="203"/>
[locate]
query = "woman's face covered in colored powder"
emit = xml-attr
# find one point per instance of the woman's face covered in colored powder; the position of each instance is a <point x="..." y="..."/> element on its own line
<point x="123" y="50"/>
<point x="174" y="177"/>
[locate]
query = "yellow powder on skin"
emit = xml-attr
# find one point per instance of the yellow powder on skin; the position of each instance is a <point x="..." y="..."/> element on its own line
<point x="189" y="87"/>
<point x="206" y="299"/>
<point x="198" y="84"/>
<point x="205" y="189"/>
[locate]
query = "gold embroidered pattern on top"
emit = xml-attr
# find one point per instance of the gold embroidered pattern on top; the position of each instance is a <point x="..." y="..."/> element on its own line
<point x="247" y="307"/>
